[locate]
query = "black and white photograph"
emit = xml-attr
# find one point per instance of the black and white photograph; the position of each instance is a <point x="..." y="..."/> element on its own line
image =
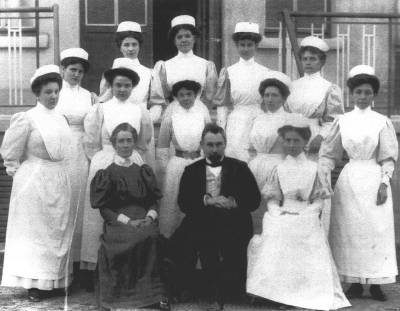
<point x="199" y="155"/>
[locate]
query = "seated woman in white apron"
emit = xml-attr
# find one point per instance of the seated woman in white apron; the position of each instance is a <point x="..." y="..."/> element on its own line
<point x="184" y="66"/>
<point x="99" y="124"/>
<point x="129" y="40"/>
<point x="40" y="220"/>
<point x="317" y="99"/>
<point x="74" y="103"/>
<point x="265" y="144"/>
<point x="290" y="262"/>
<point x="362" y="230"/>
<point x="237" y="98"/>
<point x="182" y="125"/>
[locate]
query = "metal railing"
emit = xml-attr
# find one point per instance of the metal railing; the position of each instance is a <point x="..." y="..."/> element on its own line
<point x="354" y="38"/>
<point x="15" y="36"/>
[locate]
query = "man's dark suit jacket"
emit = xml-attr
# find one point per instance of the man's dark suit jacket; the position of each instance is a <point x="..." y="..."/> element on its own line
<point x="238" y="182"/>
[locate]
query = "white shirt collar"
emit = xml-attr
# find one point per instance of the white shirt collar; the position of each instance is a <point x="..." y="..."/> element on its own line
<point x="40" y="107"/>
<point x="280" y="110"/>
<point x="361" y="111"/>
<point x="314" y="75"/>
<point x="250" y="61"/>
<point x="116" y="100"/>
<point x="300" y="158"/>
<point x="69" y="86"/>
<point x="126" y="162"/>
<point x="136" y="62"/>
<point x="185" y="55"/>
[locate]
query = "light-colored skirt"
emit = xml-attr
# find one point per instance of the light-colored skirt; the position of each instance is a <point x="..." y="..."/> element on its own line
<point x="170" y="214"/>
<point x="238" y="127"/>
<point x="291" y="263"/>
<point x="40" y="227"/>
<point x="261" y="167"/>
<point x="362" y="233"/>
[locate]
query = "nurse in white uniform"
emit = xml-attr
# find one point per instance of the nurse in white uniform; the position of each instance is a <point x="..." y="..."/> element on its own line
<point x="317" y="99"/>
<point x="74" y="103"/>
<point x="362" y="230"/>
<point x="184" y="66"/>
<point x="129" y="39"/>
<point x="237" y="98"/>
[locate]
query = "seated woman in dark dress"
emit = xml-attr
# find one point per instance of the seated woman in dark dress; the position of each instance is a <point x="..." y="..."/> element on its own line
<point x="126" y="193"/>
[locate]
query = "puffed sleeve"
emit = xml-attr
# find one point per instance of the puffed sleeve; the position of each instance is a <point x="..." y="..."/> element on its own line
<point x="14" y="142"/>
<point x="93" y="124"/>
<point x="222" y="98"/>
<point x="153" y="190"/>
<point x="159" y="91"/>
<point x="210" y="85"/>
<point x="105" y="91"/>
<point x="333" y="108"/>
<point x="145" y="132"/>
<point x="387" y="152"/>
<point x="272" y="192"/>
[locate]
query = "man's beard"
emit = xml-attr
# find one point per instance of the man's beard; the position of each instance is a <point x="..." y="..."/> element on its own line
<point x="215" y="158"/>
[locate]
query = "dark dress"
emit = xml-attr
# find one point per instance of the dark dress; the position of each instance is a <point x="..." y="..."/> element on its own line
<point x="128" y="267"/>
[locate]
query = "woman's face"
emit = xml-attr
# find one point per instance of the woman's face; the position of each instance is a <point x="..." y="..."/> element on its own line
<point x="184" y="40"/>
<point x="293" y="143"/>
<point x="130" y="47"/>
<point x="363" y="95"/>
<point x="122" y="87"/>
<point x="124" y="144"/>
<point x="272" y="98"/>
<point x="186" y="98"/>
<point x="311" y="62"/>
<point x="73" y="74"/>
<point x="48" y="95"/>
<point x="246" y="48"/>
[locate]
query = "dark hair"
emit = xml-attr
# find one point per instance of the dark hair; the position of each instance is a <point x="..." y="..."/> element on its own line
<point x="174" y="30"/>
<point x="237" y="36"/>
<point x="110" y="75"/>
<point x="39" y="82"/>
<point x="282" y="87"/>
<point x="75" y="60"/>
<point x="120" y="37"/>
<point x="213" y="128"/>
<point x="186" y="84"/>
<point x="123" y="127"/>
<point x="360" y="79"/>
<point x="304" y="132"/>
<point x="313" y="50"/>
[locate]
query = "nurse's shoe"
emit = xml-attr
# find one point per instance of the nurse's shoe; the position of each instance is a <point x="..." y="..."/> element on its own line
<point x="354" y="291"/>
<point x="34" y="295"/>
<point x="377" y="293"/>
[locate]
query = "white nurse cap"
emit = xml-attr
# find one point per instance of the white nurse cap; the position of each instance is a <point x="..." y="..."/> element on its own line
<point x="315" y="42"/>
<point x="74" y="52"/>
<point x="247" y="27"/>
<point x="183" y="20"/>
<point x="124" y="62"/>
<point x="280" y="76"/>
<point x="361" y="69"/>
<point x="129" y="26"/>
<point x="46" y="69"/>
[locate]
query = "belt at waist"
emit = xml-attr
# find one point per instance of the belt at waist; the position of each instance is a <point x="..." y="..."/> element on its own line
<point x="366" y="161"/>
<point x="187" y="154"/>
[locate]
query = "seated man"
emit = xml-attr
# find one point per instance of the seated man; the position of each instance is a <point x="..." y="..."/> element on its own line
<point x="217" y="195"/>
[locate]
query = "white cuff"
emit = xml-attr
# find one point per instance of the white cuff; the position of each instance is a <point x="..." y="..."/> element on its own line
<point x="385" y="180"/>
<point x="152" y="214"/>
<point x="123" y="218"/>
<point x="155" y="113"/>
<point x="11" y="171"/>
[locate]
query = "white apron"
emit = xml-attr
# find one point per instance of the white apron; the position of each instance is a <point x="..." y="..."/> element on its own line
<point x="362" y="233"/>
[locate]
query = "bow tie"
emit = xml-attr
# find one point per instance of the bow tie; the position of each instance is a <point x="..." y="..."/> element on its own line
<point x="216" y="164"/>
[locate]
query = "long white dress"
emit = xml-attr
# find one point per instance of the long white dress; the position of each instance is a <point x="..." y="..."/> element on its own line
<point x="183" y="127"/>
<point x="290" y="262"/>
<point x="40" y="220"/>
<point x="321" y="101"/>
<point x="182" y="67"/>
<point x="99" y="124"/>
<point x="265" y="141"/>
<point x="238" y="90"/>
<point x="362" y="233"/>
<point x="74" y="103"/>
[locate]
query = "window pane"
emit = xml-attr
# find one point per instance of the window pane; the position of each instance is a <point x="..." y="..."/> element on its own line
<point x="273" y="10"/>
<point x="311" y="6"/>
<point x="129" y="10"/>
<point x="100" y="12"/>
